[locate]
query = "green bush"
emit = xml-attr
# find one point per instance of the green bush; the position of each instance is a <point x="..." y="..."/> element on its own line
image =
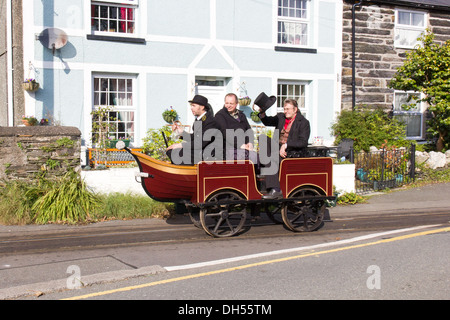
<point x="66" y="200"/>
<point x="369" y="128"/>
<point x="154" y="144"/>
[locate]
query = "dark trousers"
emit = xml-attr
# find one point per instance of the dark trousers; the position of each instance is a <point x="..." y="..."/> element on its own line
<point x="272" y="180"/>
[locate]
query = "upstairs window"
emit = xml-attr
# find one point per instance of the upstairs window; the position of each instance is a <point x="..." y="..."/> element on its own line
<point x="293" y="23"/>
<point x="409" y="25"/>
<point x="114" y="17"/>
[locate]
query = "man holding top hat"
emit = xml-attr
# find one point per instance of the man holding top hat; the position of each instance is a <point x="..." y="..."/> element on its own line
<point x="293" y="129"/>
<point x="191" y="151"/>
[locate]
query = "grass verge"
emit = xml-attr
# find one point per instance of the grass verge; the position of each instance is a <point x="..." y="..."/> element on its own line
<point x="68" y="200"/>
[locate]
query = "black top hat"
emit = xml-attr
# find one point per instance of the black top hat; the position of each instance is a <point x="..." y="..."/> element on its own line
<point x="201" y="100"/>
<point x="264" y="102"/>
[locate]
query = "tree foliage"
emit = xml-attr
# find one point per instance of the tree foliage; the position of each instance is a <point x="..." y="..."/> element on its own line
<point x="427" y="70"/>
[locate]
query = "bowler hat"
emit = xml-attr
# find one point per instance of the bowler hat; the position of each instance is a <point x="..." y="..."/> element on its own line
<point x="264" y="102"/>
<point x="201" y="100"/>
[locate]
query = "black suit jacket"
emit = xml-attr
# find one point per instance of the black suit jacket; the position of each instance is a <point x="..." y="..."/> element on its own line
<point x="299" y="133"/>
<point x="226" y="121"/>
<point x="197" y="143"/>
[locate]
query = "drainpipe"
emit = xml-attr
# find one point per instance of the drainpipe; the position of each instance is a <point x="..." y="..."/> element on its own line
<point x="353" y="54"/>
<point x="9" y="62"/>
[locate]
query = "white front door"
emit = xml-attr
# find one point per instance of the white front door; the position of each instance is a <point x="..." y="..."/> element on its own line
<point x="215" y="91"/>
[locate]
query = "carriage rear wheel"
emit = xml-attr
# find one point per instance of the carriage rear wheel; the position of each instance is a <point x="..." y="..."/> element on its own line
<point x="225" y="218"/>
<point x="304" y="215"/>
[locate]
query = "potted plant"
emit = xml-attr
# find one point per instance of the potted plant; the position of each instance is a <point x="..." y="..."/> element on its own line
<point x="43" y="122"/>
<point x="254" y="116"/>
<point x="169" y="115"/>
<point x="382" y="180"/>
<point x="29" y="121"/>
<point x="244" y="101"/>
<point x="30" y="85"/>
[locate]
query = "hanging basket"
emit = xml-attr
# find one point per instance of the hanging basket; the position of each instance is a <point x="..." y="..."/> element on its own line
<point x="168" y="118"/>
<point x="254" y="117"/>
<point x="245" y="101"/>
<point x="30" y="86"/>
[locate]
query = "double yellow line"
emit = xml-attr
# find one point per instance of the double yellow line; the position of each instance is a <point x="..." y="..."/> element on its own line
<point x="256" y="264"/>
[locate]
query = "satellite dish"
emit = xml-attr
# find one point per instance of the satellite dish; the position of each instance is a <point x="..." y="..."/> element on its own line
<point x="53" y="38"/>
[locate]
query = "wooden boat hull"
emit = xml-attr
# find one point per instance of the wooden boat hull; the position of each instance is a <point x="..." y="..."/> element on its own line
<point x="167" y="182"/>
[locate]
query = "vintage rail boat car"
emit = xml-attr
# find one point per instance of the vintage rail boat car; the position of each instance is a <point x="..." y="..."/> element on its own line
<point x="220" y="195"/>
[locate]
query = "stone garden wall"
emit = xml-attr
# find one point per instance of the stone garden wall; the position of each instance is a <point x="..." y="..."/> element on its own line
<point x="28" y="151"/>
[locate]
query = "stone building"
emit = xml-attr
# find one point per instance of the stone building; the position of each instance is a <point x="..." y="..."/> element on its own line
<point x="383" y="32"/>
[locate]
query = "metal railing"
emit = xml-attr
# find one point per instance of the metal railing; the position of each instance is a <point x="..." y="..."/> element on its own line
<point x="382" y="169"/>
<point x="111" y="157"/>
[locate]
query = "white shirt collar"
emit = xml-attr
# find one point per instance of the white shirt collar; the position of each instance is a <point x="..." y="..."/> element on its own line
<point x="199" y="117"/>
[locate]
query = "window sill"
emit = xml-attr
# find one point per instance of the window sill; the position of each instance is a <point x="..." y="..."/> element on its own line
<point x="116" y="39"/>
<point x="293" y="49"/>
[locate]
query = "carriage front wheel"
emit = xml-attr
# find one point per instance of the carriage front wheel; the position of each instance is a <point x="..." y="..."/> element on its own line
<point x="223" y="217"/>
<point x="303" y="215"/>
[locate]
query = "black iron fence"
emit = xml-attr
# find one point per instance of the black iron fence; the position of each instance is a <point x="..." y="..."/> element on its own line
<point x="385" y="168"/>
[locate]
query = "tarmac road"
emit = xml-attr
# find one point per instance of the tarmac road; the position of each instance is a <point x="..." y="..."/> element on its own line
<point x="36" y="258"/>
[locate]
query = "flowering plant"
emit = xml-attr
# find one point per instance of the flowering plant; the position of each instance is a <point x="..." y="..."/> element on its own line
<point x="29" y="121"/>
<point x="44" y="122"/>
<point x="170" y="112"/>
<point x="245" y="101"/>
<point x="30" y="80"/>
<point x="169" y="115"/>
<point x="30" y="85"/>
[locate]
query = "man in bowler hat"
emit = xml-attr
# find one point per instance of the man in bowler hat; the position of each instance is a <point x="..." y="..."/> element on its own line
<point x="191" y="151"/>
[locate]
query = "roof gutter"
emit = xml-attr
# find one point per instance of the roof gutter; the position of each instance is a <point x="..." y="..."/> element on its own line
<point x="353" y="54"/>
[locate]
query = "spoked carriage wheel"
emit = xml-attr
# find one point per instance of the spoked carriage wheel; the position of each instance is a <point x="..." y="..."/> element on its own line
<point x="273" y="211"/>
<point x="194" y="214"/>
<point x="304" y="215"/>
<point x="225" y="219"/>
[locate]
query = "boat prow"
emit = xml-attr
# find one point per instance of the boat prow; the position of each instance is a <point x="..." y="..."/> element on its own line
<point x="166" y="182"/>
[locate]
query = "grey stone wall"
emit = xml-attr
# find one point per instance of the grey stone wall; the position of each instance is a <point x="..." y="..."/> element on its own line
<point x="376" y="57"/>
<point x="28" y="151"/>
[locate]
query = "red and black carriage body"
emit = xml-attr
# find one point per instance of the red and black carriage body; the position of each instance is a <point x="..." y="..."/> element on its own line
<point x="219" y="195"/>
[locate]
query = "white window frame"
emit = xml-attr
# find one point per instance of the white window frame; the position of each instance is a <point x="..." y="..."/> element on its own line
<point x="294" y="20"/>
<point x="304" y="88"/>
<point x="120" y="108"/>
<point x="408" y="28"/>
<point x="418" y="111"/>
<point x="118" y="3"/>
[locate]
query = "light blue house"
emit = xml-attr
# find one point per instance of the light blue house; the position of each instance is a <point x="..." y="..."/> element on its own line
<point x="142" y="57"/>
